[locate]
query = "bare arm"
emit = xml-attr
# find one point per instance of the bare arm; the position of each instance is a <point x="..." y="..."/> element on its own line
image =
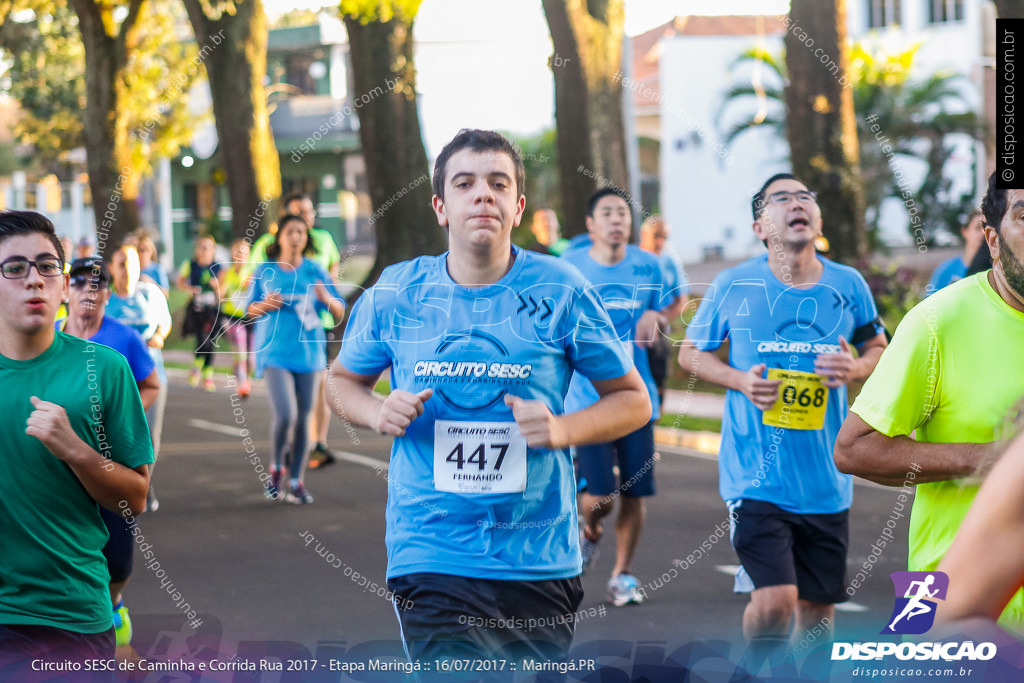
<point x="149" y="389"/>
<point x="762" y="392"/>
<point x="108" y="482"/>
<point x="163" y="327"/>
<point x="840" y="368"/>
<point x="157" y="339"/>
<point x="352" y="398"/>
<point x="674" y="309"/>
<point x="867" y="453"/>
<point x="648" y="328"/>
<point x="624" y="407"/>
<point x="994" y="524"/>
<point x="215" y="286"/>
<point x="869" y="353"/>
<point x="335" y="305"/>
<point x="271" y="302"/>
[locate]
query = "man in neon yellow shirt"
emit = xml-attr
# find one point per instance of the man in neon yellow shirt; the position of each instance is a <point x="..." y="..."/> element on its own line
<point x="951" y="375"/>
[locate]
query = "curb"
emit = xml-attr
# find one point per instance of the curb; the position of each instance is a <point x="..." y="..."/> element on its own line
<point x="705" y="442"/>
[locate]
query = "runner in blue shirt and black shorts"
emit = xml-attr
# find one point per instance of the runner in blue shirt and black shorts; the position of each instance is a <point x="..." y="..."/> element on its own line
<point x="629" y="282"/>
<point x="792" y="318"/>
<point x="483" y="549"/>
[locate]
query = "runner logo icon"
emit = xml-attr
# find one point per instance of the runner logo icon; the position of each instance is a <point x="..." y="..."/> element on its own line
<point x="916" y="595"/>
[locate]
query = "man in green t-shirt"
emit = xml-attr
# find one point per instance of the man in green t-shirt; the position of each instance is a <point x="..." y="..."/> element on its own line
<point x="76" y="440"/>
<point x="950" y="377"/>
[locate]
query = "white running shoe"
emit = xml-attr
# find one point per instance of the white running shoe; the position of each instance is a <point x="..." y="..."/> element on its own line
<point x="624" y="589"/>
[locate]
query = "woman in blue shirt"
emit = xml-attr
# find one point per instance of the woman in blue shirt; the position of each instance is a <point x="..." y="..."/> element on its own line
<point x="289" y="291"/>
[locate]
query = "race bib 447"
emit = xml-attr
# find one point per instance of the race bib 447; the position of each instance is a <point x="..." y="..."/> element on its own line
<point x="479" y="457"/>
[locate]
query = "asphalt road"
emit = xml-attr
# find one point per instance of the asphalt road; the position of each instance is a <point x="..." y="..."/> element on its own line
<point x="251" y="570"/>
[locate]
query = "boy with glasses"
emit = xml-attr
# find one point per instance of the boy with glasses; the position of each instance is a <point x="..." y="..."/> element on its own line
<point x="77" y="440"/>
<point x="792" y="318"/>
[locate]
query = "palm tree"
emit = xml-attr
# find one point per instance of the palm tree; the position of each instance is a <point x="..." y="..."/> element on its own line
<point x="897" y="119"/>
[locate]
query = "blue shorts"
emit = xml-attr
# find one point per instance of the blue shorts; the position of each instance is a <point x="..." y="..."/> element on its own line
<point x="633" y="453"/>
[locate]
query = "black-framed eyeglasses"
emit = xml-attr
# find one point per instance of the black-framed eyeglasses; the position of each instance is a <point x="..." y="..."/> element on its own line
<point x="784" y="197"/>
<point x="86" y="280"/>
<point x="17" y="267"/>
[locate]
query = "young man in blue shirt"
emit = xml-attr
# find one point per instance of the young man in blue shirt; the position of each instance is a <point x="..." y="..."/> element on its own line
<point x="630" y="284"/>
<point x="791" y="318"/>
<point x="483" y="548"/>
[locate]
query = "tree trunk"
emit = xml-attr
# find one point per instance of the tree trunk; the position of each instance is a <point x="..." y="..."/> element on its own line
<point x="1009" y="9"/>
<point x="236" y="63"/>
<point x="820" y="123"/>
<point x="389" y="131"/>
<point x="113" y="182"/>
<point x="587" y="68"/>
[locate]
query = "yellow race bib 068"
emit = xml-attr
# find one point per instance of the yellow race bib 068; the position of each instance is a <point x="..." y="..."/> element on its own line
<point x="803" y="398"/>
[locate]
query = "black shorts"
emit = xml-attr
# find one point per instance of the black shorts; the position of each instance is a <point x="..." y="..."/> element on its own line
<point x="778" y="548"/>
<point x="444" y="616"/>
<point x="658" y="358"/>
<point x="21" y="646"/>
<point x="119" y="550"/>
<point x="633" y="453"/>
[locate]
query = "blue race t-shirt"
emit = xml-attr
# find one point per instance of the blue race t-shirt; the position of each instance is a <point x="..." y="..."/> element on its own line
<point x="154" y="272"/>
<point x="580" y="241"/>
<point x="291" y="337"/>
<point x="144" y="310"/>
<point x="627" y="289"/>
<point x="674" y="275"/>
<point x="466" y="496"/>
<point x="125" y="341"/>
<point x="947" y="272"/>
<point x="766" y="321"/>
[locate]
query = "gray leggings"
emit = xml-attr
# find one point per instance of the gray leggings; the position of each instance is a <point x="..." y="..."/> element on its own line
<point x="291" y="402"/>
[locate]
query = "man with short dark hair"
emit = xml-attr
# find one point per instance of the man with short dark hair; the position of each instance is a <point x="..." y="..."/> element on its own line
<point x="951" y="376"/>
<point x="483" y="554"/>
<point x="77" y="440"/>
<point x="792" y="318"/>
<point x="629" y="282"/>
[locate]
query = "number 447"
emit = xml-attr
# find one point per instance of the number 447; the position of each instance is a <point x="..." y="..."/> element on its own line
<point x="478" y="457"/>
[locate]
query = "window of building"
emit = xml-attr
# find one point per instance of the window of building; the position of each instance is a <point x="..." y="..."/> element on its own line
<point x="943" y="11"/>
<point x="882" y="13"/>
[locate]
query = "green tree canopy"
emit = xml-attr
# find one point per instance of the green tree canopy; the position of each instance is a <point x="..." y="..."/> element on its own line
<point x="111" y="77"/>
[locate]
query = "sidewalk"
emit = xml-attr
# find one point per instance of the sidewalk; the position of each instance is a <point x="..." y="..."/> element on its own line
<point x="695" y="404"/>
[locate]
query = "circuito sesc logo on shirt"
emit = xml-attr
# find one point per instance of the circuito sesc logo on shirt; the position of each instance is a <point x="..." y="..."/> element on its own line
<point x="472" y="370"/>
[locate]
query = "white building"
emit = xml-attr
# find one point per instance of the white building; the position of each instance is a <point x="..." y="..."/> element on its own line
<point x="682" y="70"/>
